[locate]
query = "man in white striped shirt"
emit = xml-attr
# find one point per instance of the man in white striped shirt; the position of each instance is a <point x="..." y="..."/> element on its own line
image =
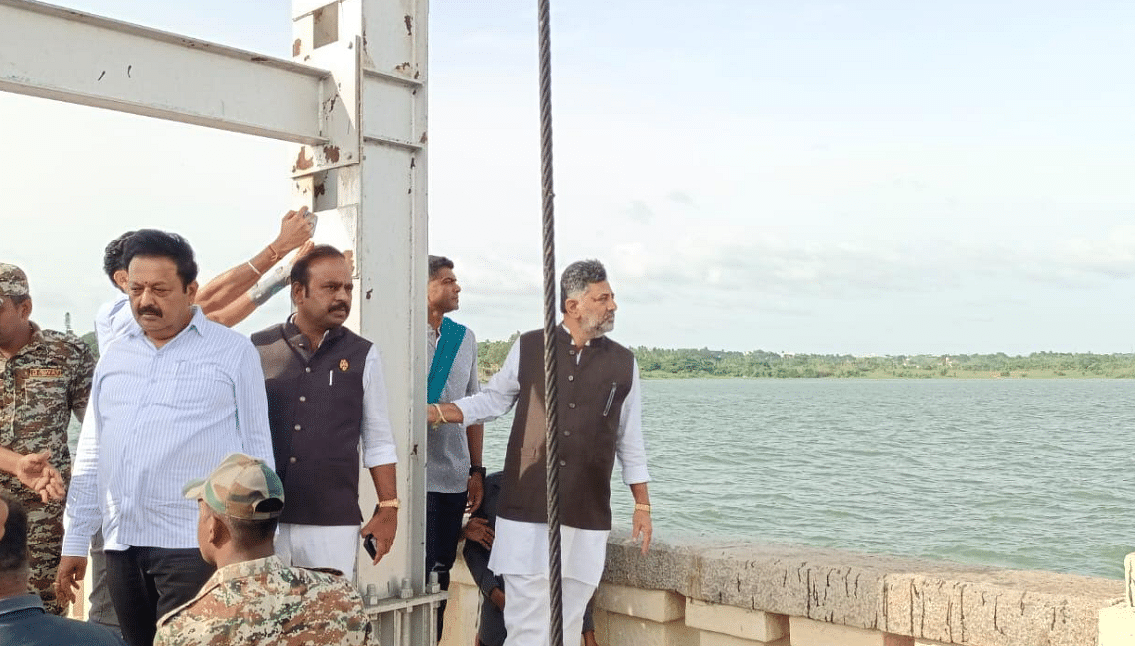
<point x="171" y="399"/>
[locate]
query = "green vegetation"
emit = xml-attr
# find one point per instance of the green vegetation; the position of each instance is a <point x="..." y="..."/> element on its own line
<point x="689" y="363"/>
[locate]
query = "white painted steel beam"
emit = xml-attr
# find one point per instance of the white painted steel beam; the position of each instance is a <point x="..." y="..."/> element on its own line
<point x="374" y="165"/>
<point x="354" y="100"/>
<point x="71" y="56"/>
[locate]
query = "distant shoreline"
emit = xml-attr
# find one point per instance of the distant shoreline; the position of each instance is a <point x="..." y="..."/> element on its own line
<point x="960" y="375"/>
<point x="687" y="363"/>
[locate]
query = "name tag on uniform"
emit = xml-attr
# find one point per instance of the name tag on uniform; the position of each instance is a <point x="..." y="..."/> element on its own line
<point x="44" y="373"/>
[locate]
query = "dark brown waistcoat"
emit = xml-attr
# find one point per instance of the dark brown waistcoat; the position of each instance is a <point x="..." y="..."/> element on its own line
<point x="315" y="411"/>
<point x="591" y="397"/>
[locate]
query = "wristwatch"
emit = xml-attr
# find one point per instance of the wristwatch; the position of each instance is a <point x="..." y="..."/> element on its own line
<point x="480" y="470"/>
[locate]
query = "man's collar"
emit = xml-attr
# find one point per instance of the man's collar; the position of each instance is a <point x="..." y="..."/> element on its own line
<point x="293" y="332"/>
<point x="20" y="602"/>
<point x="34" y="340"/>
<point x="239" y="571"/>
<point x="199" y="322"/>
<point x="570" y="339"/>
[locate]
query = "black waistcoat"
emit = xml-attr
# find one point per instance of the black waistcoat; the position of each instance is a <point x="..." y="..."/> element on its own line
<point x="591" y="397"/>
<point x="315" y="411"/>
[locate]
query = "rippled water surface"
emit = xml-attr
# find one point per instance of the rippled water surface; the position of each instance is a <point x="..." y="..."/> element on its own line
<point x="1012" y="473"/>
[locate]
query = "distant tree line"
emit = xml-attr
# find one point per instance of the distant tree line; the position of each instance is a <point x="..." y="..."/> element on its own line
<point x="757" y="364"/>
<point x="687" y="362"/>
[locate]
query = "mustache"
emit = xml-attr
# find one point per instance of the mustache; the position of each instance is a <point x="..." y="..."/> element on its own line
<point x="340" y="306"/>
<point x="149" y="309"/>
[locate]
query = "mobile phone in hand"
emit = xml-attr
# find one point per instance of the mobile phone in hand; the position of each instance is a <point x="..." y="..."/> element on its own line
<point x="370" y="546"/>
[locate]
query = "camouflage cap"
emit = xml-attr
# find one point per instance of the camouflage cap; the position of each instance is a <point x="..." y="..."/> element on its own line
<point x="241" y="487"/>
<point x="13" y="280"/>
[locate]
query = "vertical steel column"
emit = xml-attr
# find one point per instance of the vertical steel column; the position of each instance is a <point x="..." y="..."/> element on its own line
<point x="372" y="173"/>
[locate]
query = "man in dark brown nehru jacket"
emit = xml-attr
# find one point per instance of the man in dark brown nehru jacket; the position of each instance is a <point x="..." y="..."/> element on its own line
<point x="600" y="413"/>
<point x="326" y="397"/>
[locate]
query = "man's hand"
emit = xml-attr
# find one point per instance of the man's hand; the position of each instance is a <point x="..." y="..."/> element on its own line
<point x="349" y="256"/>
<point x="589" y="638"/>
<point x="478" y="531"/>
<point x="295" y="230"/>
<point x="383" y="526"/>
<point x="72" y="569"/>
<point x="304" y="249"/>
<point x="37" y="474"/>
<point x="476" y="488"/>
<point x="642" y="525"/>
<point x="497" y="597"/>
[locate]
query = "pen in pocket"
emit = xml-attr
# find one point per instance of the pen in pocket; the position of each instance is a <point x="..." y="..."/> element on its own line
<point x="610" y="399"/>
<point x="330" y="377"/>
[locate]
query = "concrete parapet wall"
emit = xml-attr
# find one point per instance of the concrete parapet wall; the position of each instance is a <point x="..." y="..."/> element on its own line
<point x="754" y="594"/>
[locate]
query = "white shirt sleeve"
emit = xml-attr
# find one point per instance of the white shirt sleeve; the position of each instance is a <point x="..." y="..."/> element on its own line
<point x="252" y="406"/>
<point x="498" y="396"/>
<point x="377" y="434"/>
<point x="630" y="446"/>
<point x="81" y="515"/>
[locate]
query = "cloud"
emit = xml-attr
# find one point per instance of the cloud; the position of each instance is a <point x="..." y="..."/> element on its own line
<point x="680" y="197"/>
<point x="639" y="212"/>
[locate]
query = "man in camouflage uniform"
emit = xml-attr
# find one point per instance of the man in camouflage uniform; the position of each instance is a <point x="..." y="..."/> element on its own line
<point x="45" y="376"/>
<point x="253" y="598"/>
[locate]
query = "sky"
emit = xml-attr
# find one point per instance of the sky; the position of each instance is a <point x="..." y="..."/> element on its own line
<point x="813" y="177"/>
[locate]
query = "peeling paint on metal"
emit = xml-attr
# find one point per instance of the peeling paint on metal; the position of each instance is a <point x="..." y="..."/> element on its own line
<point x="423" y="139"/>
<point x="302" y="161"/>
<point x="369" y="292"/>
<point x="128" y="68"/>
<point x="404" y="68"/>
<point x="320" y="189"/>
<point x="413" y="162"/>
<point x="259" y="59"/>
<point x="331" y="153"/>
<point x="101" y="75"/>
<point x="409" y="25"/>
<point x="297" y="46"/>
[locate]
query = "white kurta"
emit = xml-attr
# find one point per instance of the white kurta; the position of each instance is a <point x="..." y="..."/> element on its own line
<point x="522" y="548"/>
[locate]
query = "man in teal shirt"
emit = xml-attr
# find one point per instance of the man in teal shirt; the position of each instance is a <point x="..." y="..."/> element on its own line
<point x="454" y="475"/>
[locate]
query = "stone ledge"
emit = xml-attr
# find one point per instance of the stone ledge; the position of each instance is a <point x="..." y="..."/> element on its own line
<point x="656" y="605"/>
<point x="755" y="625"/>
<point x="936" y="601"/>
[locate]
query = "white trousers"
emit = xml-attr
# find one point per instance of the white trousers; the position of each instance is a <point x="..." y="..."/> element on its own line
<point x="333" y="546"/>
<point x="528" y="609"/>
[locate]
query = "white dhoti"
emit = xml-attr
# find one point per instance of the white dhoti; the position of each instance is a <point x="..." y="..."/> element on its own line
<point x="528" y="606"/>
<point x="520" y="555"/>
<point x="324" y="546"/>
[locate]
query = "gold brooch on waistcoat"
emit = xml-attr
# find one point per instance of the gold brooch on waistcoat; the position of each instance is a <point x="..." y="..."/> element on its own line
<point x="343" y="365"/>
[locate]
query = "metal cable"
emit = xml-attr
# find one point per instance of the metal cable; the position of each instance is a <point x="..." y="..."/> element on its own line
<point x="552" y="462"/>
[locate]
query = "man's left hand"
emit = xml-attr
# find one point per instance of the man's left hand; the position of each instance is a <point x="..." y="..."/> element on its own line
<point x="37" y="474"/>
<point x="383" y="526"/>
<point x="478" y="531"/>
<point x="476" y="488"/>
<point x="642" y="525"/>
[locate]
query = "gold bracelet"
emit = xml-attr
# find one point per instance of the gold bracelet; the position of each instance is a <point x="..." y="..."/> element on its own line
<point x="393" y="502"/>
<point x="642" y="507"/>
<point x="440" y="414"/>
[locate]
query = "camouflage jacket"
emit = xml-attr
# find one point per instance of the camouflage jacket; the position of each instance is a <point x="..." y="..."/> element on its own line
<point x="262" y="603"/>
<point x="46" y="381"/>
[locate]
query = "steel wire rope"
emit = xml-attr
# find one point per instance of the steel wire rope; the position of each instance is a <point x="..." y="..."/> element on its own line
<point x="551" y="395"/>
